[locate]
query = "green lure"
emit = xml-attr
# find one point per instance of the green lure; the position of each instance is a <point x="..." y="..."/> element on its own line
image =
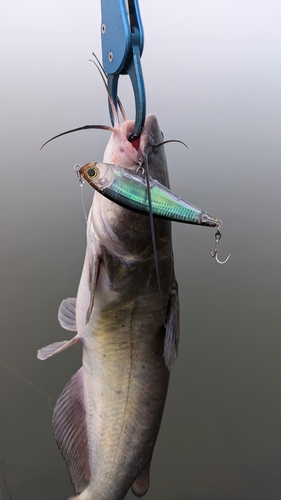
<point x="129" y="189"/>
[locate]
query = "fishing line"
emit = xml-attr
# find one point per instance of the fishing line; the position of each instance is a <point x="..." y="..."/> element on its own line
<point x="81" y="182"/>
<point x="26" y="380"/>
<point x="151" y="219"/>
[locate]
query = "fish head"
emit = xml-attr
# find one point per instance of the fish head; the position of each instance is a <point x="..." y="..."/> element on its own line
<point x="120" y="230"/>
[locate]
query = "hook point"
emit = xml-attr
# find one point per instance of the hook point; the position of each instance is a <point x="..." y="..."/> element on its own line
<point x="221" y="261"/>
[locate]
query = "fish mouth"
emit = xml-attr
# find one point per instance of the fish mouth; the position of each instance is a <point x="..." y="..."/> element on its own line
<point x="149" y="137"/>
<point x="120" y="151"/>
<point x="136" y="143"/>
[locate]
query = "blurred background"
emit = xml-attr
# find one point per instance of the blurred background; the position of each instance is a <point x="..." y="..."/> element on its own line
<point x="213" y="79"/>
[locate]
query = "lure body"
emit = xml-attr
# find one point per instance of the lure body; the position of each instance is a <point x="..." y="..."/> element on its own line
<point x="127" y="188"/>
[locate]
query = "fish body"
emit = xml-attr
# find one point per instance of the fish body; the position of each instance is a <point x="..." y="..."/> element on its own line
<point x="108" y="416"/>
<point x="129" y="189"/>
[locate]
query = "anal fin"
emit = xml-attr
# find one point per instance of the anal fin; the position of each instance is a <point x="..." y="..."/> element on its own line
<point x="70" y="431"/>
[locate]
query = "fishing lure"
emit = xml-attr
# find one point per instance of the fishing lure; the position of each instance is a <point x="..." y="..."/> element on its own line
<point x="129" y="189"/>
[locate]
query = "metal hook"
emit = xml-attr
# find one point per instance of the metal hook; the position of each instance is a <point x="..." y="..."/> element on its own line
<point x="140" y="170"/>
<point x="214" y="251"/>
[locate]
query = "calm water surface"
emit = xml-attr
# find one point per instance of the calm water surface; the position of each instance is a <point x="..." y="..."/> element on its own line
<point x="212" y="73"/>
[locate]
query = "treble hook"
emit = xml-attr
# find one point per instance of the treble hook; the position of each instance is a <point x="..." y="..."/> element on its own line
<point x="214" y="252"/>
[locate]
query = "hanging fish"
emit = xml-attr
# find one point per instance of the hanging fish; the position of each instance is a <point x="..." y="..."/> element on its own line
<point x="107" y="418"/>
<point x="129" y="189"/>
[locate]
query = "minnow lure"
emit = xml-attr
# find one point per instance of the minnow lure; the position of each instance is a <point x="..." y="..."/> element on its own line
<point x="129" y="190"/>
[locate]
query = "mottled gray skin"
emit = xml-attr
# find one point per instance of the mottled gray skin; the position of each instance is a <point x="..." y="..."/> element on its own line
<point x="123" y="383"/>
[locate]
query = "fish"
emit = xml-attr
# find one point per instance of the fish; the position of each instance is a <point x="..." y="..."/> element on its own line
<point x="130" y="190"/>
<point x="107" y="419"/>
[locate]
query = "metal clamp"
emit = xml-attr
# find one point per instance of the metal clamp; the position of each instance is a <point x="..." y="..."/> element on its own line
<point x="122" y="45"/>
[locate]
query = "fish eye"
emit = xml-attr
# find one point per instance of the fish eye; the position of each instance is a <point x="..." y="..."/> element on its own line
<point x="92" y="172"/>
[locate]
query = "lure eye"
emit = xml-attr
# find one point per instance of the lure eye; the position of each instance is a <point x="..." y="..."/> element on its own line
<point x="92" y="172"/>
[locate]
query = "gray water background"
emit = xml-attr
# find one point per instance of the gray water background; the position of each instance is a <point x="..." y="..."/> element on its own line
<point x="213" y="78"/>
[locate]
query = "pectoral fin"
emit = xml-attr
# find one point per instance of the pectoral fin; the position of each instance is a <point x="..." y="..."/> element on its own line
<point x="56" y="347"/>
<point x="93" y="263"/>
<point x="67" y="314"/>
<point x="172" y="328"/>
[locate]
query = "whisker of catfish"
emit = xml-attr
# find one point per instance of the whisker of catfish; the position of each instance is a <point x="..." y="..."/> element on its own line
<point x="85" y="127"/>
<point x="121" y="107"/>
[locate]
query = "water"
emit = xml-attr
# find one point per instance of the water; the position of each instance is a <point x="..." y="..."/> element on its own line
<point x="212" y="73"/>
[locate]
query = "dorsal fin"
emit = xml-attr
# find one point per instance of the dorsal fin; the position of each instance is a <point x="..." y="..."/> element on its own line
<point x="70" y="431"/>
<point x="67" y="314"/>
